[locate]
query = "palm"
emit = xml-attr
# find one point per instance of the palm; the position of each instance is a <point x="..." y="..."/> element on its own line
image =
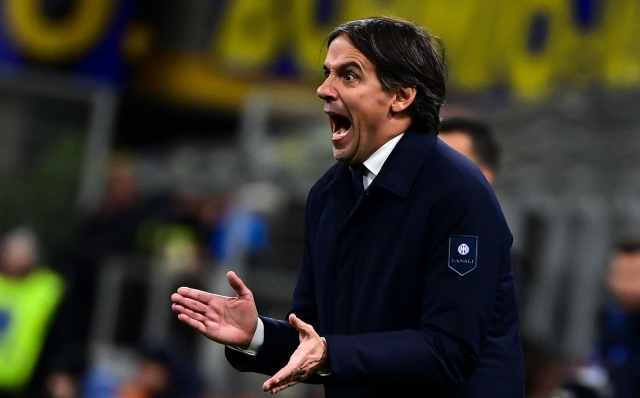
<point x="230" y="318"/>
<point x="310" y="356"/>
<point x="226" y="320"/>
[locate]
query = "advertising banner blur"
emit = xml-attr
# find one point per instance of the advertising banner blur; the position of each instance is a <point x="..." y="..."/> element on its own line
<point x="529" y="47"/>
<point x="80" y="37"/>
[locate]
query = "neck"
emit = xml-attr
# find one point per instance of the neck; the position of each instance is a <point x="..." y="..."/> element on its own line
<point x="394" y="128"/>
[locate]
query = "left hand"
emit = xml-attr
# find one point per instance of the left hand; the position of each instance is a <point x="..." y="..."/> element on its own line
<point x="310" y="357"/>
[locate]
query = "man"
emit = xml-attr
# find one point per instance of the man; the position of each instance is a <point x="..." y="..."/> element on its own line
<point x="474" y="140"/>
<point x="405" y="286"/>
<point x="618" y="347"/>
<point x="30" y="297"/>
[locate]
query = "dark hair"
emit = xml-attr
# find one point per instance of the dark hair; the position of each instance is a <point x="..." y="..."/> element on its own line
<point x="404" y="56"/>
<point x="628" y="242"/>
<point x="485" y="147"/>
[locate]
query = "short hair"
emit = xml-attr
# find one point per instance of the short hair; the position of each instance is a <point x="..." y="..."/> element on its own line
<point x="404" y="55"/>
<point x="627" y="242"/>
<point x="484" y="145"/>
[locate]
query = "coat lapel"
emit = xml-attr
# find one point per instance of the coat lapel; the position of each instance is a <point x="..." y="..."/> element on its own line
<point x="396" y="176"/>
<point x="403" y="164"/>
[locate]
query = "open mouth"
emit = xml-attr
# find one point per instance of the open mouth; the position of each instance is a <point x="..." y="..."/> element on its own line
<point x="340" y="126"/>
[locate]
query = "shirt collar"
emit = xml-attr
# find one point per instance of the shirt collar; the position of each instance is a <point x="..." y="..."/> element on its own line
<point x="402" y="165"/>
<point x="377" y="159"/>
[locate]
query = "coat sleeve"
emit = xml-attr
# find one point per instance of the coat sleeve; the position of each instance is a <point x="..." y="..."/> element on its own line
<point x="280" y="338"/>
<point x="456" y="311"/>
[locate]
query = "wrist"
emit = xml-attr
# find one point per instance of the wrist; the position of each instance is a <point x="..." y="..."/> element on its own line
<point x="324" y="369"/>
<point x="256" y="341"/>
<point x="250" y="336"/>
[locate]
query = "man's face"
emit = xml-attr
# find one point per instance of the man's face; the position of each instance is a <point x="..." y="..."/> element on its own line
<point x="461" y="142"/>
<point x="359" y="109"/>
<point x="624" y="279"/>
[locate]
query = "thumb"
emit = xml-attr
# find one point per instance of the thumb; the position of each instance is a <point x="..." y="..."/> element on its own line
<point x="238" y="286"/>
<point x="302" y="327"/>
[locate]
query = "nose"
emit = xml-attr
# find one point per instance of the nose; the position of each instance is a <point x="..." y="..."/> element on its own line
<point x="326" y="92"/>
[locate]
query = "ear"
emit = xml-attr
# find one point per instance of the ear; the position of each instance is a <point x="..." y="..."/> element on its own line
<point x="403" y="98"/>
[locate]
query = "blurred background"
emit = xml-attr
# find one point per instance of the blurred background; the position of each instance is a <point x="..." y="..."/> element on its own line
<point x="151" y="144"/>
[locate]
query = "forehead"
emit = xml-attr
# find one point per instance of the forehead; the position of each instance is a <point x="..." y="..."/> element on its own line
<point x="457" y="138"/>
<point x="342" y="51"/>
<point x="633" y="256"/>
<point x="460" y="141"/>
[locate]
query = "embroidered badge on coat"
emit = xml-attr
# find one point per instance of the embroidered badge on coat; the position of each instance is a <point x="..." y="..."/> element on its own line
<point x="463" y="253"/>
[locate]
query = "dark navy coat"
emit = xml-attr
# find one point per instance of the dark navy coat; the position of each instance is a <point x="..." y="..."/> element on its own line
<point x="378" y="282"/>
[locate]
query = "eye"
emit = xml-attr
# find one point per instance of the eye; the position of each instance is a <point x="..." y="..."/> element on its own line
<point x="350" y="76"/>
<point x="326" y="73"/>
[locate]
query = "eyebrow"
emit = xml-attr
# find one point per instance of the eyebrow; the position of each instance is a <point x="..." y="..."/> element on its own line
<point x="346" y="65"/>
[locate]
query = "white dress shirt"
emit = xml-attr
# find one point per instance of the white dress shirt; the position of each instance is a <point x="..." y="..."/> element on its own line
<point x="373" y="166"/>
<point x="376" y="160"/>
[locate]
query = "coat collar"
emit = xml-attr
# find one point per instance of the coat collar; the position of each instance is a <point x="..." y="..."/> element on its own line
<point x="342" y="173"/>
<point x="401" y="167"/>
<point x="404" y="162"/>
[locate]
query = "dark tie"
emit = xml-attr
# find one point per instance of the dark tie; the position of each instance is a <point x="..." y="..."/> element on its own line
<point x="357" y="172"/>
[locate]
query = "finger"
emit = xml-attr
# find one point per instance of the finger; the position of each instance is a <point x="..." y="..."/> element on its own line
<point x="280" y="381"/>
<point x="283" y="376"/>
<point x="237" y="285"/>
<point x="195" y="294"/>
<point x="292" y="371"/>
<point x="280" y="388"/>
<point x="300" y="325"/>
<point x="192" y="322"/>
<point x="188" y="303"/>
<point x="194" y="315"/>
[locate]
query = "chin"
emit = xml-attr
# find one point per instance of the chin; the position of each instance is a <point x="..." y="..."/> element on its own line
<point x="340" y="156"/>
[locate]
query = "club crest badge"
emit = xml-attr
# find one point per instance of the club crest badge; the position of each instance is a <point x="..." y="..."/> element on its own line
<point x="463" y="253"/>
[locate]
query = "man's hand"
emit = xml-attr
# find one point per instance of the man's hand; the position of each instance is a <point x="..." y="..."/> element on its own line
<point x="225" y="320"/>
<point x="310" y="357"/>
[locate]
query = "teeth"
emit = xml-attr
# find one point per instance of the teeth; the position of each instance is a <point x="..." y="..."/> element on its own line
<point x="340" y="133"/>
<point x="340" y="126"/>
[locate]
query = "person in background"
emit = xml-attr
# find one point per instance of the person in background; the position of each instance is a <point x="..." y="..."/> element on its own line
<point x="475" y="140"/>
<point x="617" y="351"/>
<point x="163" y="373"/>
<point x="29" y="299"/>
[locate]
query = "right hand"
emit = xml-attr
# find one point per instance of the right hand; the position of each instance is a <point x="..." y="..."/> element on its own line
<point x="225" y="320"/>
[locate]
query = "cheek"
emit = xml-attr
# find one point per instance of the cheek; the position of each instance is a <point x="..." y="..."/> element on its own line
<point x="378" y="99"/>
<point x="369" y="108"/>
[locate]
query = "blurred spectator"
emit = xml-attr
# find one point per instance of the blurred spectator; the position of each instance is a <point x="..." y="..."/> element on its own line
<point x="242" y="233"/>
<point x="162" y="373"/>
<point x="180" y="242"/>
<point x="618" y="349"/>
<point x="29" y="298"/>
<point x="115" y="225"/>
<point x="474" y="139"/>
<point x="113" y="230"/>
